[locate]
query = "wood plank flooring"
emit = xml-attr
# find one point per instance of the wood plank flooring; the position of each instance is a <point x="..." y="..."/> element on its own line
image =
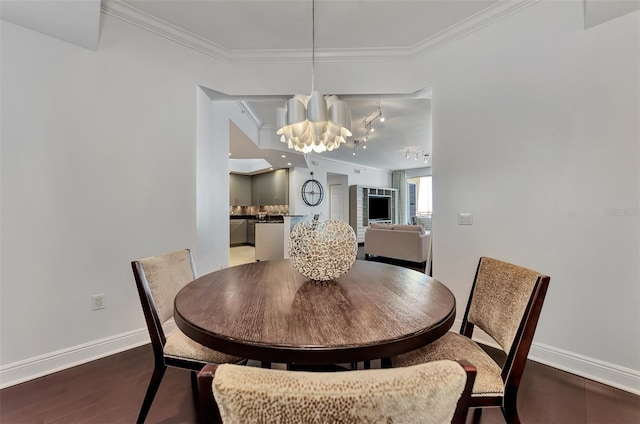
<point x="110" y="390"/>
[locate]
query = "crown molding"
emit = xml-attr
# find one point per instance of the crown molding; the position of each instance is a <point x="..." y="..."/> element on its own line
<point x="150" y="23"/>
<point x="147" y="22"/>
<point x="468" y="26"/>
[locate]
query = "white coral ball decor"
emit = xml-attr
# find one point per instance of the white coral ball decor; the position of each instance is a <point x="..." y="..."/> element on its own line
<point x="322" y="250"/>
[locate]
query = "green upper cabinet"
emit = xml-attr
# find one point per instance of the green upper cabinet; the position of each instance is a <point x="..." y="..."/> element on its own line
<point x="281" y="187"/>
<point x="239" y="190"/>
<point x="270" y="188"/>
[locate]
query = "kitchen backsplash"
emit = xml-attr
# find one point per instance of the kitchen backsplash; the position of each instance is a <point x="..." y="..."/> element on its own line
<point x="254" y="210"/>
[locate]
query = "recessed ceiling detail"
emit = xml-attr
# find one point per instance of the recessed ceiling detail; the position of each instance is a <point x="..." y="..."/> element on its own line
<point x="230" y="30"/>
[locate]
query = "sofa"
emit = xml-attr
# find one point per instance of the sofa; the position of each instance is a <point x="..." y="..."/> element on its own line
<point x="405" y="242"/>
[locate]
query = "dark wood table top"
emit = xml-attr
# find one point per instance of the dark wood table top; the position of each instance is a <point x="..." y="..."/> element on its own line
<point x="268" y="312"/>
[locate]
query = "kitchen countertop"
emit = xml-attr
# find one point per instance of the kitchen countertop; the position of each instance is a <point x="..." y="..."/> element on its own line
<point x="269" y="218"/>
<point x="274" y="214"/>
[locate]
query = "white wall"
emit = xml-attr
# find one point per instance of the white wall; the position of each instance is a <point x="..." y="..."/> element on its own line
<point x="339" y="180"/>
<point x="213" y="119"/>
<point x="98" y="169"/>
<point x="549" y="143"/>
<point x="297" y="177"/>
<point x="535" y="126"/>
<point x="212" y="128"/>
<point x="419" y="172"/>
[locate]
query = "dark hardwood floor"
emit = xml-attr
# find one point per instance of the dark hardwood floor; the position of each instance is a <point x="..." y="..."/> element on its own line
<point x="110" y="390"/>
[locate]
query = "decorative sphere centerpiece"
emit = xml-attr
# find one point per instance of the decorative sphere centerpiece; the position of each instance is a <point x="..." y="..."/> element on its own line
<point x="322" y="250"/>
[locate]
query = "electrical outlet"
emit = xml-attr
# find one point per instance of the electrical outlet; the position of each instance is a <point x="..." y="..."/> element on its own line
<point x="465" y="219"/>
<point x="97" y="301"/>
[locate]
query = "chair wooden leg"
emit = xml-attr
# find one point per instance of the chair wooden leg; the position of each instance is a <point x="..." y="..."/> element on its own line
<point x="477" y="415"/>
<point x="367" y="365"/>
<point x="509" y="410"/>
<point x="385" y="363"/>
<point x="208" y="411"/>
<point x="194" y="382"/>
<point x="154" y="384"/>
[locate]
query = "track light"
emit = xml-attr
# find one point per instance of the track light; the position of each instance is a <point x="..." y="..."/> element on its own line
<point x="420" y="154"/>
<point x="368" y="128"/>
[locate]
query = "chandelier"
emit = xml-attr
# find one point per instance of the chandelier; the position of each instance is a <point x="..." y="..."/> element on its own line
<point x="314" y="122"/>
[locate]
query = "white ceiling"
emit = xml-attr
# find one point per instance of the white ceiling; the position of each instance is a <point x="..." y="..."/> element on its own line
<point x="277" y="31"/>
<point x="256" y="30"/>
<point x="284" y="25"/>
<point x="407" y="126"/>
<point x="76" y="22"/>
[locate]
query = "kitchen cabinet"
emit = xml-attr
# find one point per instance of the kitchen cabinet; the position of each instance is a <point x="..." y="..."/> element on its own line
<point x="239" y="190"/>
<point x="270" y="188"/>
<point x="251" y="232"/>
<point x="237" y="231"/>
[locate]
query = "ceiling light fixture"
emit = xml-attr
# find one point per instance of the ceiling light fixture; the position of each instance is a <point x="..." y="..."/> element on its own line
<point x="358" y="143"/>
<point x="367" y="121"/>
<point x="314" y="123"/>
<point x="420" y="154"/>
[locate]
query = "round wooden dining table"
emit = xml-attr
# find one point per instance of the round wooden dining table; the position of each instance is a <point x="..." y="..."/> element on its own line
<point x="267" y="311"/>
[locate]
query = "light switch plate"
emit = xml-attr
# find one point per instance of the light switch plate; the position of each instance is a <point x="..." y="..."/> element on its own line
<point x="465" y="219"/>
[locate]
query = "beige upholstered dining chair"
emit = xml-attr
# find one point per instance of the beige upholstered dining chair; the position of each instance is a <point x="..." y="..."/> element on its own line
<point x="434" y="393"/>
<point x="505" y="302"/>
<point x="158" y="280"/>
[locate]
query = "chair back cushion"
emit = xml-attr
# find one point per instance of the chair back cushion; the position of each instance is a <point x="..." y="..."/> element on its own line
<point x="166" y="275"/>
<point x="426" y="394"/>
<point x="501" y="294"/>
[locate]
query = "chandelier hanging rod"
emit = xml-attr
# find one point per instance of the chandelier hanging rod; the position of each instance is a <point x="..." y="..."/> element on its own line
<point x="313" y="45"/>
<point x="314" y="122"/>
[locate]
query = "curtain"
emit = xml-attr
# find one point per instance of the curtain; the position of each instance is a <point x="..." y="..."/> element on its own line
<point x="399" y="182"/>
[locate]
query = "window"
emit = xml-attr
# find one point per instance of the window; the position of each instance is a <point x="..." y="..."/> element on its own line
<point x="420" y="197"/>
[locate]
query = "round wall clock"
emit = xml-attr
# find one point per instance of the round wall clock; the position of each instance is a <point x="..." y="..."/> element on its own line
<point x="312" y="192"/>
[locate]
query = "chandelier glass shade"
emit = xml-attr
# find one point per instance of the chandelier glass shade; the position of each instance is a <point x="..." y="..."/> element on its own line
<point x="313" y="122"/>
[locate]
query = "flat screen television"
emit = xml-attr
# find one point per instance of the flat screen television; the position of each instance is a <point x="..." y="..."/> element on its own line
<point x="379" y="209"/>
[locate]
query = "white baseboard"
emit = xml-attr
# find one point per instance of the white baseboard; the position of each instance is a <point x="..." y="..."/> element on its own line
<point x="610" y="374"/>
<point x="593" y="369"/>
<point x="604" y="372"/>
<point x="29" y="369"/>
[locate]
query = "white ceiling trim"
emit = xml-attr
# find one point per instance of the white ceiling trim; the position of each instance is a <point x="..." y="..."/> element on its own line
<point x="471" y="24"/>
<point x="147" y="22"/>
